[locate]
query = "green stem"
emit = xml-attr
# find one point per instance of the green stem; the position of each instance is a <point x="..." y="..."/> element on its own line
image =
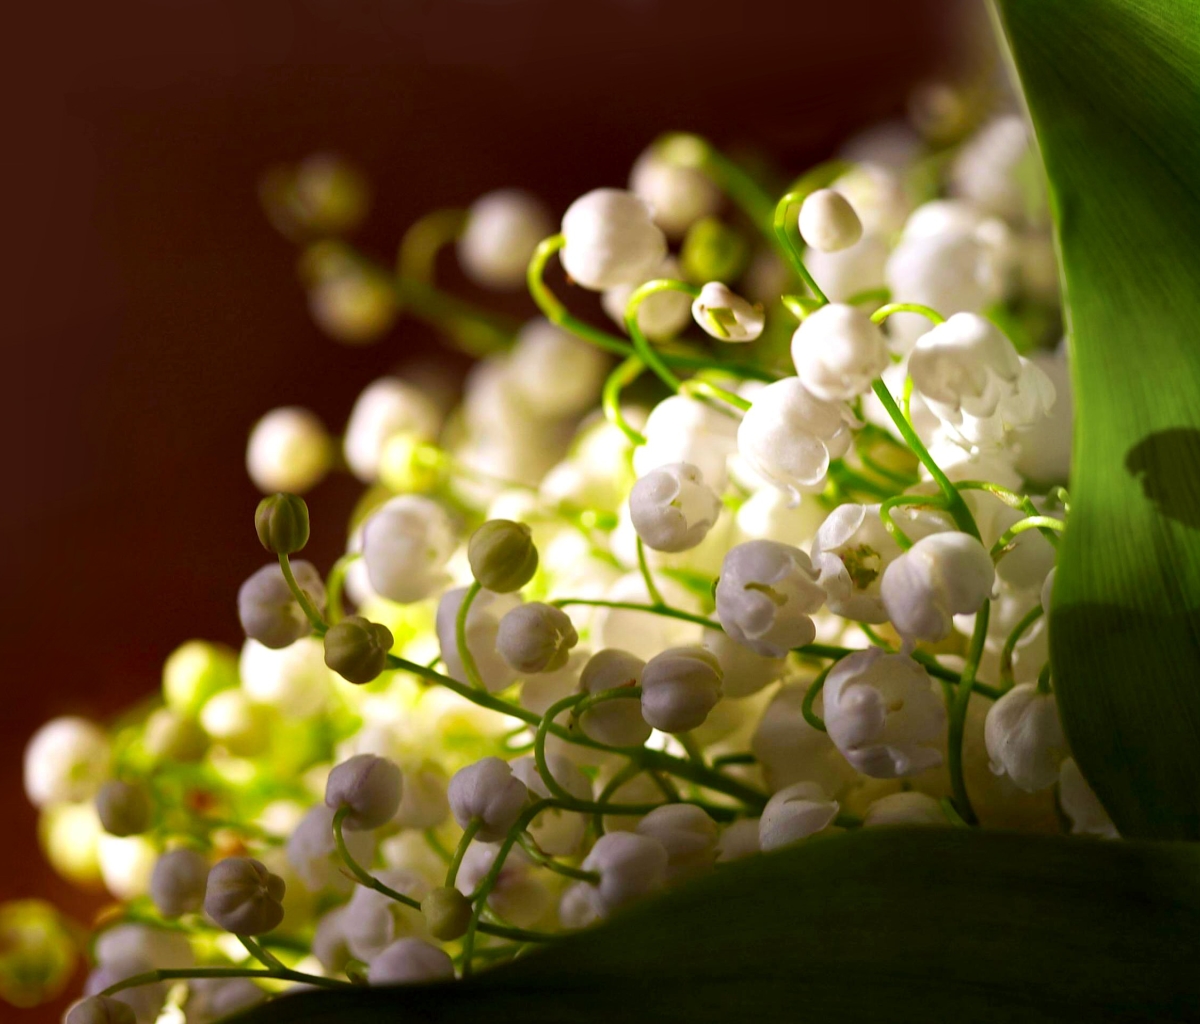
<point x="264" y="957"/>
<point x="787" y="231"/>
<point x="539" y="856"/>
<point x="629" y="771"/>
<point x="363" y="876"/>
<point x="335" y="583"/>
<point x="477" y="331"/>
<point x="652" y="590"/>
<point x="883" y="312"/>
<point x="1043" y="682"/>
<point x="1004" y="544"/>
<point x="185" y="973"/>
<point x="460" y="637"/>
<point x="302" y="599"/>
<point x="889" y="524"/>
<point x="424" y="239"/>
<point x="460" y="851"/>
<point x="958" y="714"/>
<point x="624" y="375"/>
<point x="810" y="697"/>
<point x="1010" y="645"/>
<point x="641" y="344"/>
<point x="1021" y="502"/>
<point x="955" y="505"/>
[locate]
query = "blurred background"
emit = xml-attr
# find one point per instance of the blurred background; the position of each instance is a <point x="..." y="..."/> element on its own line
<point x="153" y="313"/>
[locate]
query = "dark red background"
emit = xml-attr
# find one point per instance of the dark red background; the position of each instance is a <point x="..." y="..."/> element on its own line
<point x="151" y="314"/>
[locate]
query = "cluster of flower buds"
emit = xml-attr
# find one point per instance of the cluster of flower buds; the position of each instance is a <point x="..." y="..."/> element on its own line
<point x="581" y="648"/>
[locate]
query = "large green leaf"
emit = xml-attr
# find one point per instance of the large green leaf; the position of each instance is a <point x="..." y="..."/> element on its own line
<point x="924" y="925"/>
<point x="1114" y="89"/>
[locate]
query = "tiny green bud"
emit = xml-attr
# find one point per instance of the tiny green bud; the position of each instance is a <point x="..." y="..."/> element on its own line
<point x="713" y="251"/>
<point x="124" y="808"/>
<point x="282" y="523"/>
<point x="195" y="671"/>
<point x="356" y="648"/>
<point x="502" y="555"/>
<point x="447" y="913"/>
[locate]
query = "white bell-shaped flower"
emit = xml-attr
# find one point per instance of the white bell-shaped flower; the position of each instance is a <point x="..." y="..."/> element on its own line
<point x="769" y="514"/>
<point x="685" y="430"/>
<point x="313" y="854"/>
<point x="482" y="630"/>
<point x="661" y="315"/>
<point x="386" y="408"/>
<point x="680" y="687"/>
<point x="368" y="788"/>
<point x="243" y="897"/>
<point x="743" y="672"/>
<point x="1081" y="805"/>
<point x="905" y="809"/>
<point x="795" y="813"/>
<point x="791" y="750"/>
<point x="502" y="230"/>
<point x="288" y="450"/>
<point x="556" y="831"/>
<point x="884" y="713"/>
<point x="577" y="908"/>
<point x="371" y="921"/>
<point x="845" y="273"/>
<point x="986" y="167"/>
<point x="554" y="373"/>
<point x="828" y="221"/>
<point x="410" y="961"/>
<point x="725" y="315"/>
<point x="268" y="611"/>
<point x="66" y="761"/>
<point x="630" y="866"/>
<point x="972" y="379"/>
<point x="672" y="508"/>
<point x="940" y="576"/>
<point x="611" y="239"/>
<point x="1025" y="739"/>
<point x="688" y="835"/>
<point x="789" y="436"/>
<point x="178" y="882"/>
<point x="405" y="546"/>
<point x="838" y="352"/>
<point x="766" y="597"/>
<point x="536" y="638"/>
<point x="678" y="196"/>
<point x="488" y="792"/>
<point x="618" y="723"/>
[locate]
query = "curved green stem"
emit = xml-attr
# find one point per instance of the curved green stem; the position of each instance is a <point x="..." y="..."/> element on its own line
<point x="1010" y="644"/>
<point x="364" y="877"/>
<point x="810" y="697"/>
<point x="1004" y="543"/>
<point x="424" y="239"/>
<point x="652" y="590"/>
<point x="302" y="599"/>
<point x="186" y="973"/>
<point x="892" y="527"/>
<point x="610" y="399"/>
<point x="460" y="637"/>
<point x="787" y="231"/>
<point x="539" y="856"/>
<point x="641" y="345"/>
<point x="1020" y="502"/>
<point x="335" y="583"/>
<point x="883" y="312"/>
<point x="460" y="851"/>
<point x="958" y="715"/>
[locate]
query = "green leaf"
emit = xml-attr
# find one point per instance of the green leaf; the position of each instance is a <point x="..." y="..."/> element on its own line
<point x="1114" y="89"/>
<point x="925" y="925"/>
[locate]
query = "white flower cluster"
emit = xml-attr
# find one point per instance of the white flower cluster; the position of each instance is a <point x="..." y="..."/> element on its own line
<point x="593" y="654"/>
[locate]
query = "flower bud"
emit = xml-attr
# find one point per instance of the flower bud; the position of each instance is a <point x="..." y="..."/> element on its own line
<point x="243" y="897"/>
<point x="725" y="315"/>
<point x="619" y="723"/>
<point x="66" y="760"/>
<point x="610" y="239"/>
<point x="178" y="882"/>
<point x="688" y="835"/>
<point x="406" y="544"/>
<point x="268" y="610"/>
<point x="940" y="576"/>
<point x="838" y="352"/>
<point x="536" y="638"/>
<point x="447" y="913"/>
<point x="789" y="436"/>
<point x="680" y="687"/>
<point x="672" y="508"/>
<point x="356" y="306"/>
<point x="1024" y="737"/>
<point x="194" y="671"/>
<point x="766" y="596"/>
<point x="503" y="229"/>
<point x="630" y="866"/>
<point x="409" y="962"/>
<point x="502" y="555"/>
<point x="124" y="808"/>
<point x="828" y="221"/>
<point x="357" y="649"/>
<point x="369" y="787"/>
<point x="713" y="251"/>
<point x="289" y="450"/>
<point x="884" y="714"/>
<point x="677" y="195"/>
<point x="38" y="952"/>
<point x="487" y="791"/>
<point x="100" y="1010"/>
<point x="904" y="809"/>
<point x="795" y="813"/>
<point x="281" y="521"/>
<point x="385" y="409"/>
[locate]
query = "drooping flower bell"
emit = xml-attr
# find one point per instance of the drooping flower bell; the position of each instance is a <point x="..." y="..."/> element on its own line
<point x="725" y="315"/>
<point x="368" y="788"/>
<point x="1024" y="737"/>
<point x="405" y="546"/>
<point x="838" y="352"/>
<point x="766" y="597"/>
<point x="611" y="239"/>
<point x="501" y="232"/>
<point x="795" y="813"/>
<point x="487" y="792"/>
<point x="940" y="576"/>
<point x="672" y="508"/>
